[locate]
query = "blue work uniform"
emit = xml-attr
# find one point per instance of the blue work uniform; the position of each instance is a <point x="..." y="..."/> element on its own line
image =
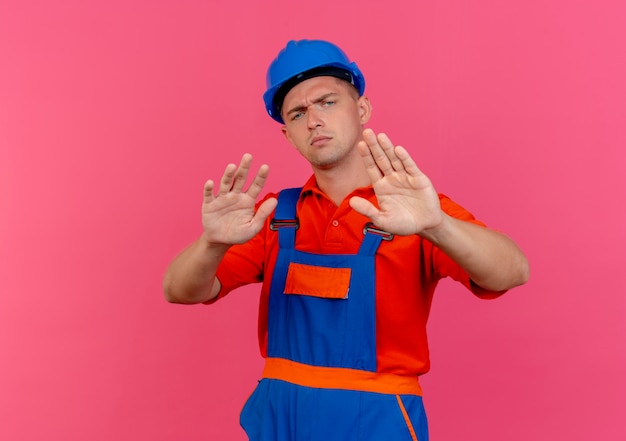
<point x="326" y="328"/>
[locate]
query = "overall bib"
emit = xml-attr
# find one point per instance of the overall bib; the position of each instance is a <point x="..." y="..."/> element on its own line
<point x="320" y="381"/>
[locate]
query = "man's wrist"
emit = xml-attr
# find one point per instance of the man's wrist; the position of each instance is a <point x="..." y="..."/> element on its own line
<point x="213" y="248"/>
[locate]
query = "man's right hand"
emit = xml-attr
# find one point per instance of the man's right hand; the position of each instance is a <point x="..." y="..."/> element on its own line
<point x="229" y="217"/>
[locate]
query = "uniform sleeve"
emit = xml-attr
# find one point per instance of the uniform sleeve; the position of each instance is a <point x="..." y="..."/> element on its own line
<point x="445" y="266"/>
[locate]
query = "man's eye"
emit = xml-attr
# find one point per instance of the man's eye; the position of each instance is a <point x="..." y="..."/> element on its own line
<point x="297" y="116"/>
<point x="328" y="103"/>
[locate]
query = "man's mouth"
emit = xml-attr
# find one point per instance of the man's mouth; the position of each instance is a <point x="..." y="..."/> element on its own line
<point x="319" y="141"/>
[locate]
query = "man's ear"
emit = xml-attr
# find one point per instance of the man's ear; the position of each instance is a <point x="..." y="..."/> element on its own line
<point x="365" y="109"/>
<point x="287" y="135"/>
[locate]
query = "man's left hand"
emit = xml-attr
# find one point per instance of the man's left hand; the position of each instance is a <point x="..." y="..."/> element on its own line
<point x="408" y="202"/>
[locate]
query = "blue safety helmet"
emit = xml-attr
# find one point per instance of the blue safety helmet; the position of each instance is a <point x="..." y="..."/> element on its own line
<point x="304" y="59"/>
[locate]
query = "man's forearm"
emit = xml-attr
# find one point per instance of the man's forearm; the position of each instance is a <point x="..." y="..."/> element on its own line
<point x="492" y="260"/>
<point x="190" y="278"/>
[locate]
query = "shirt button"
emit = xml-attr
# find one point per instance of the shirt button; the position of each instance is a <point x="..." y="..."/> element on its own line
<point x="335" y="223"/>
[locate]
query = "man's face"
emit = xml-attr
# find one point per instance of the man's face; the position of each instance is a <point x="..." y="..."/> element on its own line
<point x="324" y="119"/>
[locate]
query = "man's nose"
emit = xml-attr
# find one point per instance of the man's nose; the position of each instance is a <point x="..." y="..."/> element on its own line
<point x="314" y="118"/>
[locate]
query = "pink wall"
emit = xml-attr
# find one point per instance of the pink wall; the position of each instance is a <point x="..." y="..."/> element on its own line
<point x="113" y="114"/>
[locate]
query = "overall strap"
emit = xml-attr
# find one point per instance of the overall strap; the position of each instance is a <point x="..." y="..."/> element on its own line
<point x="285" y="220"/>
<point x="373" y="237"/>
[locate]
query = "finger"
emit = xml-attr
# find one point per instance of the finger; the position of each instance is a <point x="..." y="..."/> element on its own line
<point x="258" y="182"/>
<point x="226" y="183"/>
<point x="390" y="151"/>
<point x="368" y="160"/>
<point x="379" y="154"/>
<point x="208" y="191"/>
<point x="241" y="175"/>
<point x="407" y="162"/>
<point x="262" y="213"/>
<point x="265" y="210"/>
<point x="364" y="207"/>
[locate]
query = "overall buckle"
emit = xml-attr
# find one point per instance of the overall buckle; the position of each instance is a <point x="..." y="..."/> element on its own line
<point x="371" y="228"/>
<point x="275" y="224"/>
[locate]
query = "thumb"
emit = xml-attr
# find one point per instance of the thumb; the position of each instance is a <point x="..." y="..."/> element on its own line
<point x="364" y="207"/>
<point x="264" y="210"/>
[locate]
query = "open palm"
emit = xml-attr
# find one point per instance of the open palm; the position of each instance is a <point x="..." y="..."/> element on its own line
<point x="229" y="216"/>
<point x="407" y="201"/>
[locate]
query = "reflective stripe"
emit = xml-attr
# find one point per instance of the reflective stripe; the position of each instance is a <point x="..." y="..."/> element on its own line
<point x="341" y="378"/>
<point x="407" y="420"/>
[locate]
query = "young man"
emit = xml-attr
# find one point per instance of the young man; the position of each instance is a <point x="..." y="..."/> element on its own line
<point x="349" y="262"/>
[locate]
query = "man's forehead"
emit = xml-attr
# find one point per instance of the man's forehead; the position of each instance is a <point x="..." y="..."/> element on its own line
<point x="317" y="87"/>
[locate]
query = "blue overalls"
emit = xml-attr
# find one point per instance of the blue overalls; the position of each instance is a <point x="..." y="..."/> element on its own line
<point x="320" y="381"/>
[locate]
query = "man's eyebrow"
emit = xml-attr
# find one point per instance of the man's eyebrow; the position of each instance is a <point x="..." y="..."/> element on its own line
<point x="317" y="100"/>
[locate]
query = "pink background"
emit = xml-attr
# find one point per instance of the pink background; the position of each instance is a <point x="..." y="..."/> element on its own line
<point x="114" y="113"/>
